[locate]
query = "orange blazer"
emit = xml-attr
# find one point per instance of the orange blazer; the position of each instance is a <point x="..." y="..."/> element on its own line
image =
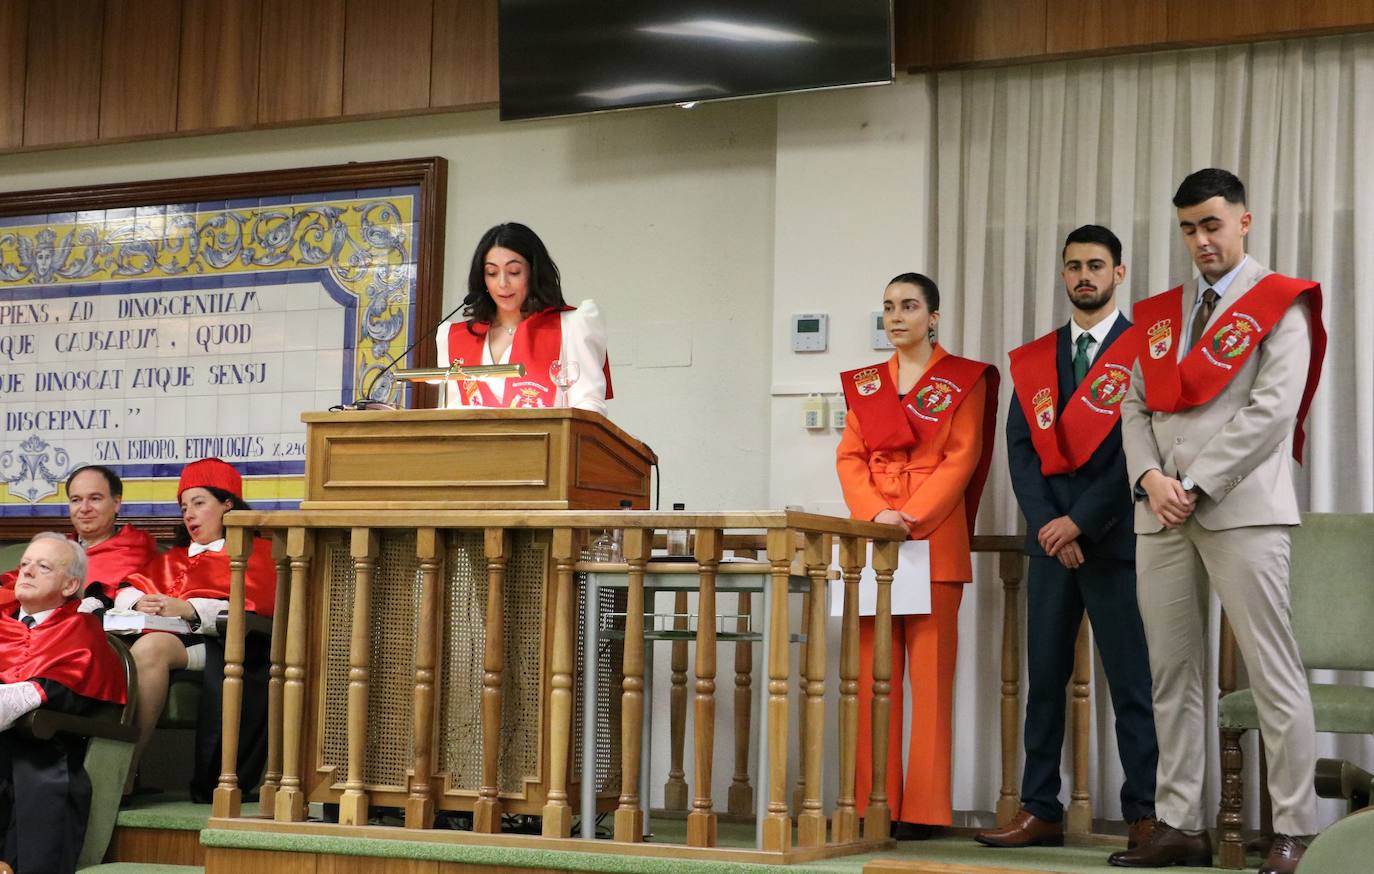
<point x="927" y="482"/>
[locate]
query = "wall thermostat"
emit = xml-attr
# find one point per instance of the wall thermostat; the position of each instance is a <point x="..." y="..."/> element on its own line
<point x="879" y="336"/>
<point x="810" y="332"/>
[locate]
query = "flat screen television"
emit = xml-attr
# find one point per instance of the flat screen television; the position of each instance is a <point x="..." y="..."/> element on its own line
<point x="564" y="57"/>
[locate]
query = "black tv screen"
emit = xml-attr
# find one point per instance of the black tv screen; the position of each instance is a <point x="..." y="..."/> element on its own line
<point x="563" y="57"/>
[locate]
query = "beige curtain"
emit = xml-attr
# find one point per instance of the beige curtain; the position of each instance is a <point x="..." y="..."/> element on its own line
<point x="1024" y="154"/>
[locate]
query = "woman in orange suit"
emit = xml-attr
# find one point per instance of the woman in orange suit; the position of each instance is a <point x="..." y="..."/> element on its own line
<point x="915" y="452"/>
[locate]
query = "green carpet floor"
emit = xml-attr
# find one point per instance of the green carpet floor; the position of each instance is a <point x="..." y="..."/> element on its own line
<point x="141" y="868"/>
<point x="172" y="813"/>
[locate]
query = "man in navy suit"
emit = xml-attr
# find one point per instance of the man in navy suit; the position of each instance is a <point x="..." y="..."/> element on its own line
<point x="1069" y="474"/>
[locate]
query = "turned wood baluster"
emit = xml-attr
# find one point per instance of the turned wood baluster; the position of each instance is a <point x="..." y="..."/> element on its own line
<point x="290" y="797"/>
<point x="845" y="824"/>
<point x="629" y="818"/>
<point x="675" y="789"/>
<point x="1009" y="800"/>
<point x="1230" y="819"/>
<point x="878" y="817"/>
<point x="486" y="814"/>
<point x="740" y="801"/>
<point x="799" y="791"/>
<point x="227" y="795"/>
<point x="701" y="822"/>
<point x="1078" y="819"/>
<point x="557" y="811"/>
<point x="271" y="775"/>
<point x="811" y="823"/>
<point x="353" y="802"/>
<point x="777" y="826"/>
<point x="420" y="804"/>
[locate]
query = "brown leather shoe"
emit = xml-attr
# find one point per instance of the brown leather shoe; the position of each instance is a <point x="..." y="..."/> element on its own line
<point x="1166" y="846"/>
<point x="1283" y="855"/>
<point x="1140" y="832"/>
<point x="1024" y="830"/>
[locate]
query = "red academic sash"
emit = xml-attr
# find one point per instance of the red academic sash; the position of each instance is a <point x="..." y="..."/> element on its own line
<point x="890" y="422"/>
<point x="538" y="343"/>
<point x="1172" y="385"/>
<point x="206" y="575"/>
<point x="68" y="648"/>
<point x="1066" y="442"/>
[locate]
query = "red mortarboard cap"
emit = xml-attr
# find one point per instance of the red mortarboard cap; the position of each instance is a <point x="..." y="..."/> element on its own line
<point x="210" y="473"/>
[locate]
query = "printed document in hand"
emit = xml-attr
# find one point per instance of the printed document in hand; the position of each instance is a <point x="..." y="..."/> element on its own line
<point x="133" y="622"/>
<point x="910" y="583"/>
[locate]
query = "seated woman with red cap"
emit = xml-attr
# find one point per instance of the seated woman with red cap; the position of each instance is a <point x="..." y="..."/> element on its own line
<point x="191" y="580"/>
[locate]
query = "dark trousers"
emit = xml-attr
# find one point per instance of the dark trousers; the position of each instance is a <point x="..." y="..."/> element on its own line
<point x="45" y="795"/>
<point x="1056" y="599"/>
<point x="252" y="756"/>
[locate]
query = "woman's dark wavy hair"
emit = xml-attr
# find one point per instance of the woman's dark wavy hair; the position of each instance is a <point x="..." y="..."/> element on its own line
<point x="546" y="288"/>
<point x="182" y="536"/>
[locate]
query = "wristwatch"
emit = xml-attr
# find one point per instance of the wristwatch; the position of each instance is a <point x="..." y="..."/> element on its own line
<point x="1188" y="484"/>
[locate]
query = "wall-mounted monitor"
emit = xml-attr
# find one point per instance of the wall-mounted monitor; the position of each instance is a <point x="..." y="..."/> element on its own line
<point x="564" y="57"/>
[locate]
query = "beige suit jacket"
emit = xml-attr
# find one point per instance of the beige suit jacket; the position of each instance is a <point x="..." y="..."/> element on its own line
<point x="1238" y="447"/>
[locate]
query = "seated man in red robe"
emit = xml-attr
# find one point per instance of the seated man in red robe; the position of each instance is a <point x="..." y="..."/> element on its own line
<point x="94" y="494"/>
<point x="51" y="656"/>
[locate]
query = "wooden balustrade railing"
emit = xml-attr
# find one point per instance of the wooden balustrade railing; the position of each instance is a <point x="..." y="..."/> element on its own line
<point x="797" y="546"/>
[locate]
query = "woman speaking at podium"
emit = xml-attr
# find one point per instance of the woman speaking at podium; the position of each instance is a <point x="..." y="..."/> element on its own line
<point x="915" y="452"/>
<point x="516" y="315"/>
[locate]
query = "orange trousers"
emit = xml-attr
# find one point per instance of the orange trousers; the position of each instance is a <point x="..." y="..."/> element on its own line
<point x="924" y="649"/>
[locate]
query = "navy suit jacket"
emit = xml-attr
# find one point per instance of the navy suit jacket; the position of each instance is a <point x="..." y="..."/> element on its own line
<point x="1097" y="496"/>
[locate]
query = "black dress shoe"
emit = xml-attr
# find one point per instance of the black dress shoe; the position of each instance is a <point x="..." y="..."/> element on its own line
<point x="912" y="831"/>
<point x="1166" y="846"/>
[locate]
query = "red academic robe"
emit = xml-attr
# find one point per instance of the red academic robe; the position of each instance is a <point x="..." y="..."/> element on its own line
<point x="109" y="562"/>
<point x="68" y="648"/>
<point x="206" y="575"/>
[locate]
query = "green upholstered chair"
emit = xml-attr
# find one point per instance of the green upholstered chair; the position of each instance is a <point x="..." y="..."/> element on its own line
<point x="1332" y="613"/>
<point x="1346" y="846"/>
<point x="10" y="554"/>
<point x="109" y="753"/>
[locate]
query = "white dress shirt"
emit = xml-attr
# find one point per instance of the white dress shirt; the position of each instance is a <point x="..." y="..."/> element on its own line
<point x="37" y="617"/>
<point x="1098" y="332"/>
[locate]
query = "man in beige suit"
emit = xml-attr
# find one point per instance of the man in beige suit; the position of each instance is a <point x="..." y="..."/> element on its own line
<point x="1217" y="398"/>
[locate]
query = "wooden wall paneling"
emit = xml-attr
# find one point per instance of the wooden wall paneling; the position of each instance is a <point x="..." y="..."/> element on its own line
<point x="62" y="87"/>
<point x="1225" y="21"/>
<point x="387" y="48"/>
<point x="464" y="70"/>
<point x="1082" y="26"/>
<point x="218" y="76"/>
<point x="14" y="37"/>
<point x="970" y="31"/>
<point x="301" y="69"/>
<point x="138" y="68"/>
<point x="1313" y="14"/>
<point x="911" y="33"/>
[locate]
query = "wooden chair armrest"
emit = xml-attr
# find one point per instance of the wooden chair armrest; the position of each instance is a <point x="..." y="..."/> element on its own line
<point x="253" y="624"/>
<point x="44" y="724"/>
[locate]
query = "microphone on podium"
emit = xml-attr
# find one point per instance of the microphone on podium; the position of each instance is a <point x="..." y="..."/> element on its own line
<point x="367" y="402"/>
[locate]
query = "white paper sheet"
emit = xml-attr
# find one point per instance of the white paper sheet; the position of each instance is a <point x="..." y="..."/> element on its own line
<point x="910" y="582"/>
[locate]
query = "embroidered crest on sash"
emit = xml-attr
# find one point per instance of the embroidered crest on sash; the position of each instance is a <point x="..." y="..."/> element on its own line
<point x="1161" y="338"/>
<point x="527" y="395"/>
<point x="937" y="396"/>
<point x="1109" y="389"/>
<point x="1232" y="339"/>
<point x="1043" y="403"/>
<point x="868" y="381"/>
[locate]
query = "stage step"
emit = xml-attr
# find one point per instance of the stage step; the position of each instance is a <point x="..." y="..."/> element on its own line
<point x="159" y="830"/>
<point x="142" y="868"/>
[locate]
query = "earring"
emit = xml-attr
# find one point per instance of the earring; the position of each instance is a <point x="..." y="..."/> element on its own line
<point x="931" y="335"/>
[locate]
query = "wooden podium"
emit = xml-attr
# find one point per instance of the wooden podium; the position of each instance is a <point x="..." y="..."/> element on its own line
<point x="414" y="604"/>
<point x="472" y="459"/>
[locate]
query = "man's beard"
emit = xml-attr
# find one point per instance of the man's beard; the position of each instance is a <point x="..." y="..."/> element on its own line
<point x="1093" y="303"/>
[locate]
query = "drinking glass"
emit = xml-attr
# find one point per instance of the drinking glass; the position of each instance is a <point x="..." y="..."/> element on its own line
<point x="563" y="373"/>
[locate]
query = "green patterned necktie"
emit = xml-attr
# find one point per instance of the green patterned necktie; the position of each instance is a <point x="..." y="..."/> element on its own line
<point x="1080" y="358"/>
